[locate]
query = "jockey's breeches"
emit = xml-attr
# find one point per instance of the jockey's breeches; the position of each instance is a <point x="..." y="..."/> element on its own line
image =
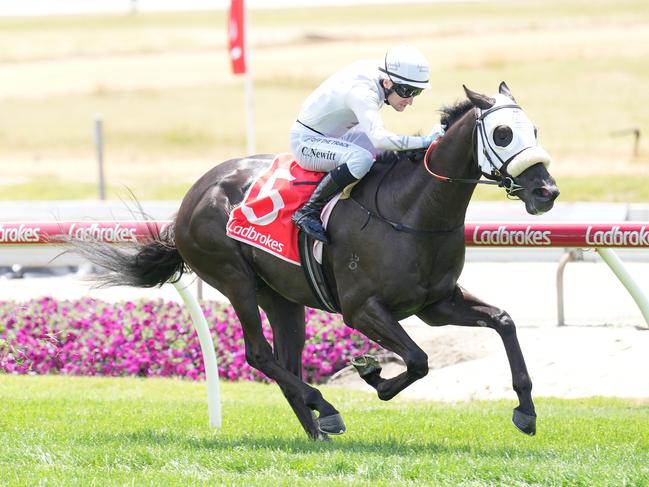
<point x="316" y="152"/>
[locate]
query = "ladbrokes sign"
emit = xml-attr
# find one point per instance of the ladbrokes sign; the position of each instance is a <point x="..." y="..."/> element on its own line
<point x="484" y="234"/>
<point x="557" y="234"/>
<point x="49" y="232"/>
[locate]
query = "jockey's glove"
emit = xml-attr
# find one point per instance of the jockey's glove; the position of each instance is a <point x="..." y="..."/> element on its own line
<point x="436" y="133"/>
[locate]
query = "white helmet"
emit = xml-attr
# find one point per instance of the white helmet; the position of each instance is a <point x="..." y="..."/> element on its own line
<point x="406" y="65"/>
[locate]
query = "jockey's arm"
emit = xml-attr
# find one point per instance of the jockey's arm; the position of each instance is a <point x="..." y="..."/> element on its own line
<point x="370" y="122"/>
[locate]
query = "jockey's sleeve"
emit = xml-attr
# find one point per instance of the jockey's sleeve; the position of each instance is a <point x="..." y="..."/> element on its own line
<point x="365" y="105"/>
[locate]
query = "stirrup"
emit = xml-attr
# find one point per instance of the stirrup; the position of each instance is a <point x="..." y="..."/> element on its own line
<point x="311" y="225"/>
<point x="299" y="217"/>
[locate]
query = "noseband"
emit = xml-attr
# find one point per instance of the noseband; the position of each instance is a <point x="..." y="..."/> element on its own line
<point x="497" y="178"/>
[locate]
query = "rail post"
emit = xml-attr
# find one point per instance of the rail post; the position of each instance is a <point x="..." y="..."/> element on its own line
<point x="569" y="256"/>
<point x="207" y="348"/>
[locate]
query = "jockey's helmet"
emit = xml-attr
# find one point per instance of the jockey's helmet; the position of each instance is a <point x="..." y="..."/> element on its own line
<point x="406" y="65"/>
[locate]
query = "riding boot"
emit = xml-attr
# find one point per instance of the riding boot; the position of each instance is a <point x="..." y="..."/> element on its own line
<point x="307" y="218"/>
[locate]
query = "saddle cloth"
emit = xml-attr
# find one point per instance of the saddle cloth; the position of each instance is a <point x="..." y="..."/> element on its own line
<point x="263" y="219"/>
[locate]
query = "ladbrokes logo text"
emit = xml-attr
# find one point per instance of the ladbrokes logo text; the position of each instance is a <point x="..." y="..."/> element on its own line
<point x="616" y="237"/>
<point x="19" y="234"/>
<point x="503" y="236"/>
<point x="95" y="232"/>
<point x="252" y="235"/>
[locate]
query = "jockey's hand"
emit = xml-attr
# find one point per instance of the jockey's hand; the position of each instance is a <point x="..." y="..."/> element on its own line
<point x="436" y="133"/>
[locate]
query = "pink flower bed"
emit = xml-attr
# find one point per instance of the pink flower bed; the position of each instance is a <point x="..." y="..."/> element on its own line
<point x="152" y="338"/>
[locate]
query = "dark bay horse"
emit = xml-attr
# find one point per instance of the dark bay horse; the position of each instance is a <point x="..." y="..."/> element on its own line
<point x="403" y="231"/>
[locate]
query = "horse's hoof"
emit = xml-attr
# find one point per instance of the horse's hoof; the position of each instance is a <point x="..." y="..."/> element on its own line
<point x="332" y="425"/>
<point x="524" y="422"/>
<point x="366" y="365"/>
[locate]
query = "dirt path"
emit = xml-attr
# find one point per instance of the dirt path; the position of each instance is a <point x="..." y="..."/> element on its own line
<point x="567" y="362"/>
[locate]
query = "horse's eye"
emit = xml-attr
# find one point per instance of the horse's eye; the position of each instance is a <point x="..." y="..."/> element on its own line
<point x="536" y="133"/>
<point x="503" y="135"/>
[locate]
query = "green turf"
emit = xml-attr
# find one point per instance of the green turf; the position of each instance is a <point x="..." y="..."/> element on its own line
<point x="100" y="431"/>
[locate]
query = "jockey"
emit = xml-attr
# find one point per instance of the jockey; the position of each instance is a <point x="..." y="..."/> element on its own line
<point x="339" y="129"/>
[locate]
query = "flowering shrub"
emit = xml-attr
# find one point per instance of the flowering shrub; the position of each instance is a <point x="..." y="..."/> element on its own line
<point x="151" y="338"/>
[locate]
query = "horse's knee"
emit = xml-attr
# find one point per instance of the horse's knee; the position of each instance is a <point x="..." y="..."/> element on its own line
<point x="417" y="364"/>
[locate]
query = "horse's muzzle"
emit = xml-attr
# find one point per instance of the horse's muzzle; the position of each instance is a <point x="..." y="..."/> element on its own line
<point x="542" y="199"/>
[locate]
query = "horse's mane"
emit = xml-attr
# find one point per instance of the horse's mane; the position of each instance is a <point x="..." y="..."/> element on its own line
<point x="450" y="115"/>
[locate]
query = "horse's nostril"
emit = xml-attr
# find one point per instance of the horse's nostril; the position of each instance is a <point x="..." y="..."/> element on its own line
<point x="545" y="192"/>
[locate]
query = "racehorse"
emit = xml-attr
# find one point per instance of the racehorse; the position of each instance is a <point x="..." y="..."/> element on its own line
<point x="397" y="249"/>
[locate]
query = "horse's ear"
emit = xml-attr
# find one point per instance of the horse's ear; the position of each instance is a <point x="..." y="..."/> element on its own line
<point x="481" y="101"/>
<point x="503" y="89"/>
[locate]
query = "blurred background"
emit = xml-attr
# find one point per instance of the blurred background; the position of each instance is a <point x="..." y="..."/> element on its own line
<point x="158" y="76"/>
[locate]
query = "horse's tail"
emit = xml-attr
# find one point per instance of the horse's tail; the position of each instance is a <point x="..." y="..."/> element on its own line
<point x="139" y="265"/>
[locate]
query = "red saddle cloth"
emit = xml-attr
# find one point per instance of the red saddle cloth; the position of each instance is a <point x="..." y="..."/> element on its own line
<point x="263" y="219"/>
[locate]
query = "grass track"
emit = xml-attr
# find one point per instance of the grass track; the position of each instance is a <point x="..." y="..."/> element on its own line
<point x="100" y="431"/>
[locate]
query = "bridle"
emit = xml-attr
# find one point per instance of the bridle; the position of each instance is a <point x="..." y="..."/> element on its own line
<point x="499" y="176"/>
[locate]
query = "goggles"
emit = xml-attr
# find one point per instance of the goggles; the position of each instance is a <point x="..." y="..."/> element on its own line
<point x="406" y="91"/>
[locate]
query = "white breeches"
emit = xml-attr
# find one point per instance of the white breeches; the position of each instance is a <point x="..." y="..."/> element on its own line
<point x="315" y="152"/>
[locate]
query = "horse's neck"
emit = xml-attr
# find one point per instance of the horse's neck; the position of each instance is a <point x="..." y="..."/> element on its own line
<point x="427" y="202"/>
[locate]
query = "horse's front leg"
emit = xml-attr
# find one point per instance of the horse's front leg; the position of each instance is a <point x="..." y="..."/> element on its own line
<point x="464" y="309"/>
<point x="378" y="324"/>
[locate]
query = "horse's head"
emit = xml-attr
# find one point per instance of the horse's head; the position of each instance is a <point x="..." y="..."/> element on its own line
<point x="507" y="149"/>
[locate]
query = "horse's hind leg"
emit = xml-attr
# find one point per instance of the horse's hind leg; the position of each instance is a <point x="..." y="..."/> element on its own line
<point x="464" y="309"/>
<point x="239" y="288"/>
<point x="288" y="323"/>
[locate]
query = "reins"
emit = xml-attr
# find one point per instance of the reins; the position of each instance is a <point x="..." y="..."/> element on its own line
<point x="501" y="182"/>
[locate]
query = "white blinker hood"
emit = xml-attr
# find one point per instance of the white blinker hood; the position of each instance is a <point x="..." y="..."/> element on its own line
<point x="523" y="151"/>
